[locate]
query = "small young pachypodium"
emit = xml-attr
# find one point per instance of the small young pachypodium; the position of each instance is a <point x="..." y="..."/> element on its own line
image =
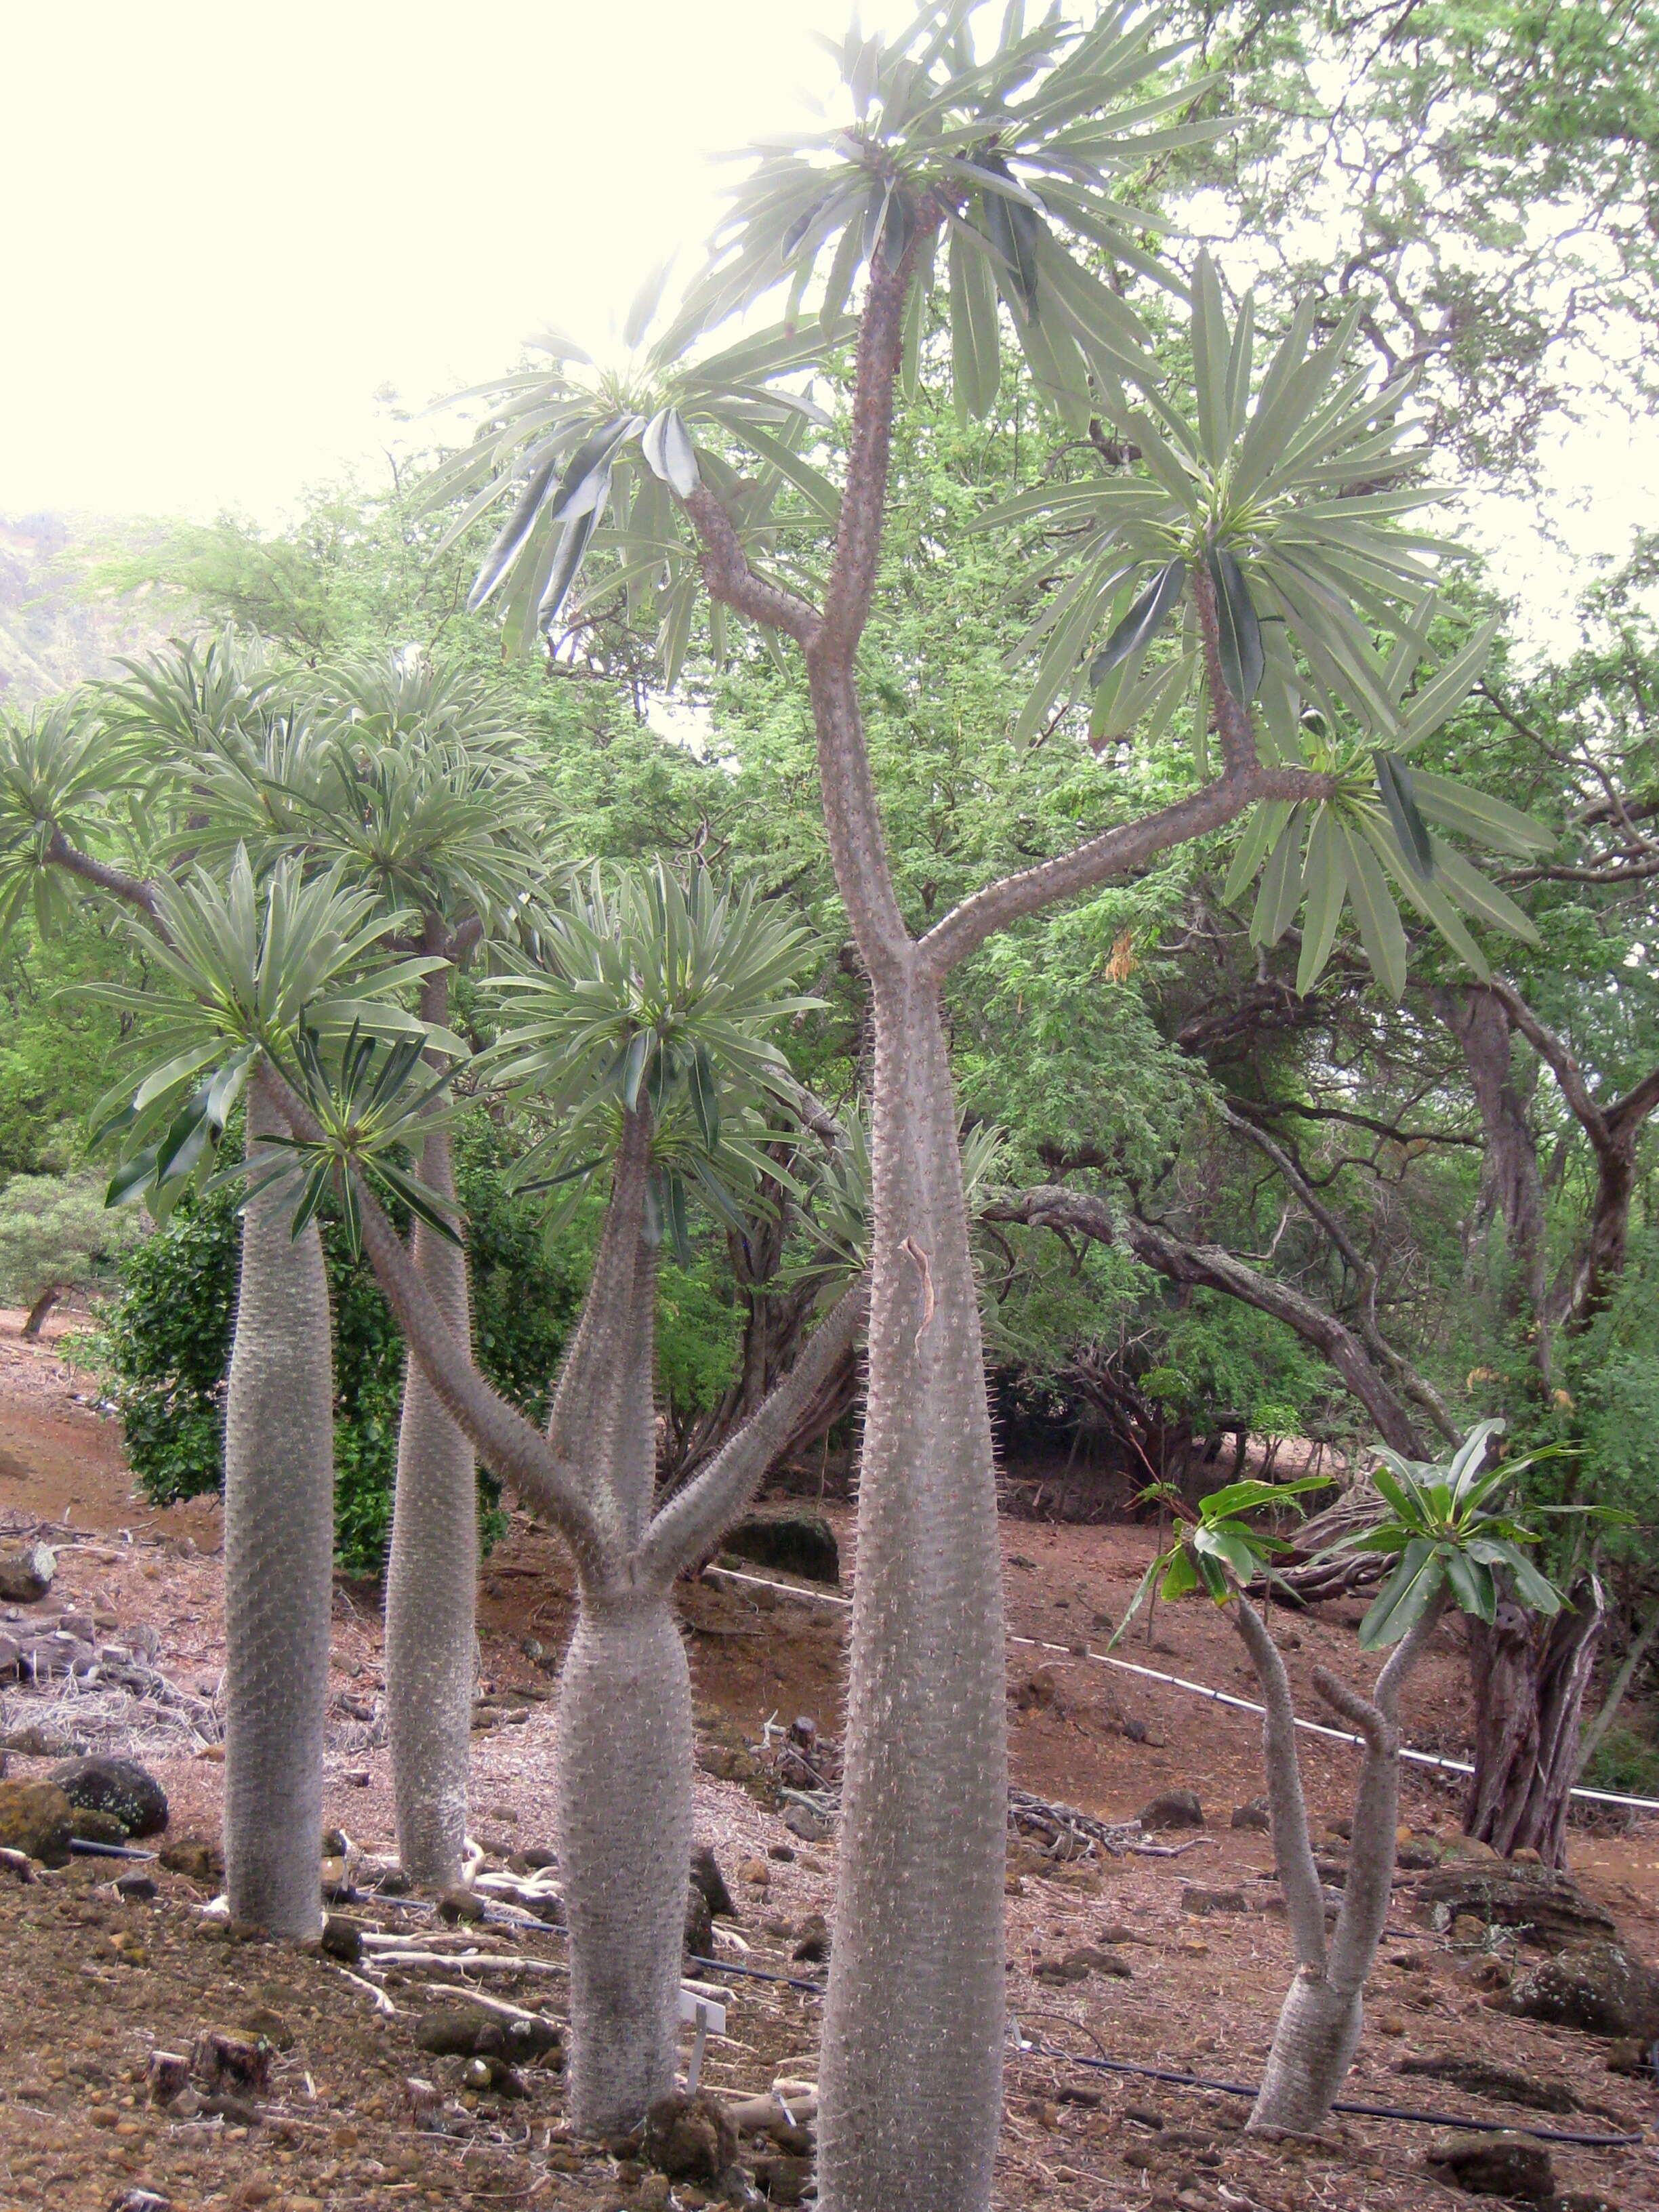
<point x="1455" y="1544"/>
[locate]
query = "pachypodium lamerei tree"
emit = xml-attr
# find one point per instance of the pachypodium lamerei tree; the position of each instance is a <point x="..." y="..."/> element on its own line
<point x="1006" y="157"/>
<point x="407" y="778"/>
<point x="1456" y="1536"/>
<point x="239" y="969"/>
<point x="643" y="1028"/>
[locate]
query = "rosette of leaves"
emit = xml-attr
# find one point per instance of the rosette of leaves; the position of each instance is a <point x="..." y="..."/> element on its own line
<point x="61" y="781"/>
<point x="1259" y="488"/>
<point x="649" y="988"/>
<point x="1370" y="844"/>
<point x="594" y="456"/>
<point x="1268" y="496"/>
<point x="374" y="1103"/>
<point x="1002" y="156"/>
<point x="1452" y="1527"/>
<point x="1214" y="1548"/>
<point x="1007" y="155"/>
<point x="241" y="969"/>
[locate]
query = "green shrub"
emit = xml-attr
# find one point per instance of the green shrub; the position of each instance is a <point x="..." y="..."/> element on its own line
<point x="1625" y="1763"/>
<point x="166" y="1343"/>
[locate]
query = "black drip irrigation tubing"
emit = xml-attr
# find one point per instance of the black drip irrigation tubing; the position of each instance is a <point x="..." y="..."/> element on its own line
<point x="1365" y="2110"/>
<point x="755" y="1973"/>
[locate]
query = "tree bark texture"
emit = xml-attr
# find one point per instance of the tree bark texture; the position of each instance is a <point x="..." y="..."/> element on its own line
<point x="1322" y="2017"/>
<point x="911" y="2069"/>
<point x="1529" y="1675"/>
<point x="279" y="1558"/>
<point x="1511" y="1187"/>
<point x="431" y="1585"/>
<point x="622" y="1794"/>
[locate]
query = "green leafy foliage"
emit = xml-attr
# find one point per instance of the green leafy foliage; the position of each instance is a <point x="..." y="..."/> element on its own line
<point x="1216" y="1549"/>
<point x="1454" y="1532"/>
<point x="651" y="988"/>
<point x="166" y="1341"/>
<point x="1010" y="150"/>
<point x="56" y="1233"/>
<point x="247" y="968"/>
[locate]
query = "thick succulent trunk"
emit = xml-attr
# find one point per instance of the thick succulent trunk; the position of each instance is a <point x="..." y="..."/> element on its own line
<point x="1323" y="2013"/>
<point x="913" y="2025"/>
<point x="431" y="1588"/>
<point x="279" y="1549"/>
<point x="623" y="1797"/>
<point x="1314" y="2044"/>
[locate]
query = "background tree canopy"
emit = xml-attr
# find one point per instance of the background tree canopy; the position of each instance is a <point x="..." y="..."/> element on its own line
<point x="1333" y="1214"/>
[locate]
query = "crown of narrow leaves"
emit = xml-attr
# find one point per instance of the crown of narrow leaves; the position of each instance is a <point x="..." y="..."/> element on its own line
<point x="375" y="1101"/>
<point x="649" y="987"/>
<point x="577" y="446"/>
<point x="1371" y="842"/>
<point x="237" y="970"/>
<point x="1268" y="496"/>
<point x="1005" y="153"/>
<point x="1263" y="486"/>
<point x="58" y="774"/>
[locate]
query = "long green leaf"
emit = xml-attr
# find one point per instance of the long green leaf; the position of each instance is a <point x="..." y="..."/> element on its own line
<point x="1143" y="621"/>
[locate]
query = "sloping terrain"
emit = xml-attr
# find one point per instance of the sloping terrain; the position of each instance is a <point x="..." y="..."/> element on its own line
<point x="1185" y="1961"/>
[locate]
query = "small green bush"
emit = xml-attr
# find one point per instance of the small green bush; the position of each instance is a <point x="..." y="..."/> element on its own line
<point x="166" y="1343"/>
<point x="1625" y="1762"/>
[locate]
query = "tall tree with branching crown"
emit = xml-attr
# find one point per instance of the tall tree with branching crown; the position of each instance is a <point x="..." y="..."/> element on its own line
<point x="1006" y="157"/>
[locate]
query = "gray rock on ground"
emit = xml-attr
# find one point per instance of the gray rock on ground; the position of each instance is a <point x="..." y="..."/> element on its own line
<point x="26" y="1574"/>
<point x="1547" y="1905"/>
<point x="1598" y="1988"/>
<point x="120" y="1787"/>
<point x="1173" y="1808"/>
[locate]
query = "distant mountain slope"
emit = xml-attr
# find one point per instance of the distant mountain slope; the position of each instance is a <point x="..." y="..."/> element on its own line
<point x="50" y="635"/>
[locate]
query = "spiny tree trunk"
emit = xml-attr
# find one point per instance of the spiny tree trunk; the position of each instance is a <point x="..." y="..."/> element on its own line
<point x="279" y="1550"/>
<point x="911" y="2081"/>
<point x="1530" y="1676"/>
<point x="622" y="1800"/>
<point x="1323" y="2015"/>
<point x="624" y="1763"/>
<point x="431" y="1585"/>
<point x="432" y="1568"/>
<point x="913" y="2026"/>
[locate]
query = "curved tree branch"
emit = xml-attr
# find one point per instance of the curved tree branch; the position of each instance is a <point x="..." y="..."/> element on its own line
<point x="1055" y="1207"/>
<point x="694" y="1518"/>
<point x="727" y="571"/>
<point x="1115" y="852"/>
<point x="60" y="853"/>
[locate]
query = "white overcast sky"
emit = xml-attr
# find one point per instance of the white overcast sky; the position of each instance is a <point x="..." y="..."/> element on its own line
<point x="232" y="226"/>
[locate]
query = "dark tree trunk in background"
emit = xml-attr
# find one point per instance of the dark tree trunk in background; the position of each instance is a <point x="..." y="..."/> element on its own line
<point x="38" y="1312"/>
<point x="1530" y="1676"/>
<point x="1512" y="1187"/>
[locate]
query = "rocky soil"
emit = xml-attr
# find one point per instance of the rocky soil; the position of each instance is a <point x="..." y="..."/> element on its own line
<point x="341" y="2077"/>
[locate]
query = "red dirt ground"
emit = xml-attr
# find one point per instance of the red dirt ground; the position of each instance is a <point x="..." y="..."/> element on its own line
<point x="83" y="1999"/>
